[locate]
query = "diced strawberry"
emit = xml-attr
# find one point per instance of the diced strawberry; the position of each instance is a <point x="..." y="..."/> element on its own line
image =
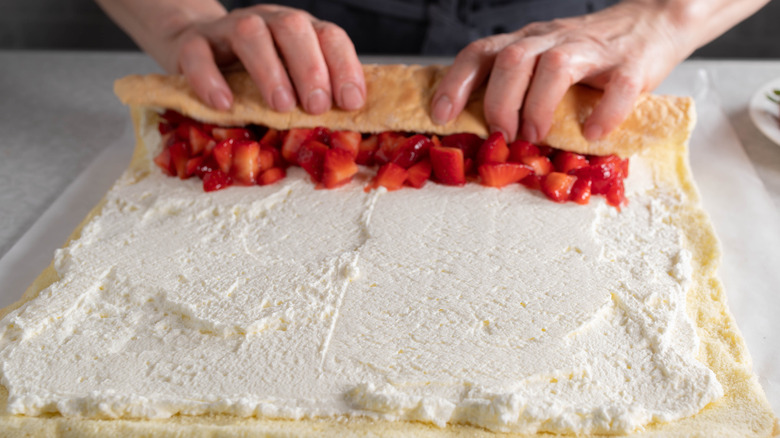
<point x="163" y="160"/>
<point x="193" y="164"/>
<point x="391" y="176"/>
<point x="520" y="149"/>
<point x="293" y="141"/>
<point x="311" y="156"/>
<point x="246" y="162"/>
<point x="448" y="165"/>
<point x="414" y="149"/>
<point x="557" y="186"/>
<point x="580" y="192"/>
<point x="180" y="153"/>
<point x="271" y="176"/>
<point x="173" y="117"/>
<point x="321" y="134"/>
<point x="545" y="151"/>
<point x="346" y="140"/>
<point x="602" y="171"/>
<point x="389" y="142"/>
<point x="435" y="140"/>
<point x="493" y="150"/>
<point x="200" y="142"/>
<point x="468" y="143"/>
<point x="368" y="146"/>
<point x="418" y="174"/>
<point x="278" y="161"/>
<point x="223" y="154"/>
<point x="207" y="164"/>
<point x="533" y="182"/>
<point x="612" y="163"/>
<point x="216" y="180"/>
<point x="541" y="165"/>
<point x="221" y="134"/>
<point x="266" y="159"/>
<point x="469" y="167"/>
<point x="272" y="138"/>
<point x="169" y="138"/>
<point x="565" y="161"/>
<point x="338" y="167"/>
<point x="208" y="128"/>
<point x="616" y="194"/>
<point x="183" y="131"/>
<point x="502" y="174"/>
<point x="164" y="127"/>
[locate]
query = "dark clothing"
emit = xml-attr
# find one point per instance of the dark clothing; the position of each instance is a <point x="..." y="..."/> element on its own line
<point x="433" y="27"/>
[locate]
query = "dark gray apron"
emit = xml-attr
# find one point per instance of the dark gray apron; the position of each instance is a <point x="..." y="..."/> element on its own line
<point x="433" y="27"/>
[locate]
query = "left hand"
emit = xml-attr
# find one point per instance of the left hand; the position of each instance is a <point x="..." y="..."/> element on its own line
<point x="624" y="50"/>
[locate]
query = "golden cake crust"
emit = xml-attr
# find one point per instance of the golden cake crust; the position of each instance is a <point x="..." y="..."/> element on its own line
<point x="742" y="411"/>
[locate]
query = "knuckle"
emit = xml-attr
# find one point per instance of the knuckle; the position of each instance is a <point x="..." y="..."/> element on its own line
<point x="556" y="59"/>
<point x="330" y="33"/>
<point x="627" y="83"/>
<point x="249" y="27"/>
<point x="511" y="57"/>
<point x="293" y="21"/>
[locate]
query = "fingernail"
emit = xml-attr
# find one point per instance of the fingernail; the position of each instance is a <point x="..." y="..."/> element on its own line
<point x="497" y="129"/>
<point x="529" y="132"/>
<point x="593" y="132"/>
<point x="351" y="98"/>
<point x="318" y="102"/>
<point x="442" y="109"/>
<point x="220" y="100"/>
<point x="282" y="100"/>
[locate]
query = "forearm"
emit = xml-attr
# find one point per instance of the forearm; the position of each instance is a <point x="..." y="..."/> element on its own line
<point x="153" y="24"/>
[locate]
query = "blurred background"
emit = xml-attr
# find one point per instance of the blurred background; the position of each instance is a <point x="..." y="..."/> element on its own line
<point x="81" y="25"/>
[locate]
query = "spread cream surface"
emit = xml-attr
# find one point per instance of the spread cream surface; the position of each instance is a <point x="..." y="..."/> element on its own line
<point x="497" y="308"/>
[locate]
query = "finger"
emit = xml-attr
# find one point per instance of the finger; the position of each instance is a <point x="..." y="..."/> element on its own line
<point x="346" y="72"/>
<point x="294" y="34"/>
<point x="555" y="72"/>
<point x="508" y="84"/>
<point x="253" y="43"/>
<point x="196" y="63"/>
<point x="620" y="94"/>
<point x="468" y="71"/>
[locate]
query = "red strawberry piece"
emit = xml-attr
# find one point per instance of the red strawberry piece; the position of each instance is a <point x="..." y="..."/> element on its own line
<point x="435" y="140"/>
<point x="164" y="127"/>
<point x="216" y="180"/>
<point x="183" y="131"/>
<point x="389" y="142"/>
<point x="208" y="128"/>
<point x="346" y="140"/>
<point x="207" y="164"/>
<point x="220" y="134"/>
<point x="557" y="186"/>
<point x="271" y="176"/>
<point x="200" y="142"/>
<point x="293" y="141"/>
<point x="193" y="164"/>
<point x="611" y="164"/>
<point x="565" y="161"/>
<point x="541" y="165"/>
<point x="520" y="149"/>
<point x="469" y="167"/>
<point x="266" y="158"/>
<point x="468" y="143"/>
<point x="278" y="161"/>
<point x="580" y="191"/>
<point x="169" y="138"/>
<point x="173" y="117"/>
<point x="418" y="174"/>
<point x="533" y="182"/>
<point x="602" y="172"/>
<point x="366" y="150"/>
<point x="493" y="150"/>
<point x="180" y="153"/>
<point x="502" y="174"/>
<point x="338" y="168"/>
<point x="311" y="156"/>
<point x="223" y="154"/>
<point x="545" y="151"/>
<point x="163" y="160"/>
<point x="321" y="134"/>
<point x="616" y="195"/>
<point x="448" y="165"/>
<point x="272" y="138"/>
<point x="391" y="176"/>
<point x="246" y="162"/>
<point x="414" y="149"/>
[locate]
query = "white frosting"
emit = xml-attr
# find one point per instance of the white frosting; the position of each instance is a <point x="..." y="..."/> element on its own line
<point x="492" y="307"/>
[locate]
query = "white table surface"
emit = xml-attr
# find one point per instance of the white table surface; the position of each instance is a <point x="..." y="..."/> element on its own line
<point x="64" y="139"/>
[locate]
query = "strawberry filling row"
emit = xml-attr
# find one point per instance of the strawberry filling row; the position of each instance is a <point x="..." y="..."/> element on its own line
<point x="224" y="156"/>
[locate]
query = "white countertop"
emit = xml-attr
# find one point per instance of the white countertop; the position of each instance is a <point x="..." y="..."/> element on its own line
<point x="58" y="114"/>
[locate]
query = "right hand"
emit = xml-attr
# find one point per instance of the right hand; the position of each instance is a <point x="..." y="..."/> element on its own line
<point x="286" y="51"/>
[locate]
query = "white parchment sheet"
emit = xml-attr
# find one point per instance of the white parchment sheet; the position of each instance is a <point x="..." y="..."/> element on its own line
<point x="741" y="209"/>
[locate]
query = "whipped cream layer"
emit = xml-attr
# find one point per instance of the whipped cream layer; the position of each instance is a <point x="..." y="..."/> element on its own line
<point x="497" y="308"/>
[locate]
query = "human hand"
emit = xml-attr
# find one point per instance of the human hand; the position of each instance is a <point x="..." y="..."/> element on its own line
<point x="624" y="50"/>
<point x="279" y="47"/>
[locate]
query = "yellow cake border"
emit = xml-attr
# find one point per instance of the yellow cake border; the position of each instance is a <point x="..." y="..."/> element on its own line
<point x="742" y="411"/>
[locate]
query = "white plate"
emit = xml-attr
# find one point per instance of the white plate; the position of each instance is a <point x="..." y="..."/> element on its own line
<point x="765" y="113"/>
